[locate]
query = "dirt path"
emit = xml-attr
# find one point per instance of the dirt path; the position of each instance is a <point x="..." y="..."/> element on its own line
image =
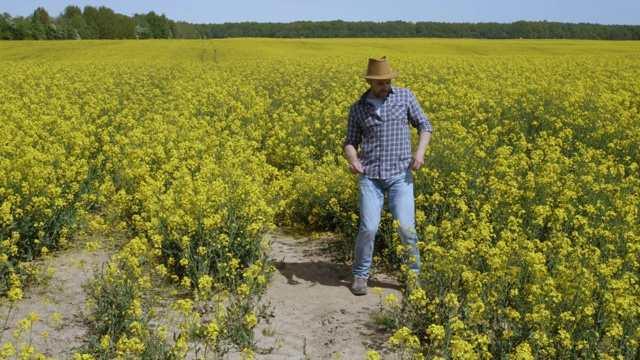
<point x="316" y="315"/>
<point x="59" y="302"/>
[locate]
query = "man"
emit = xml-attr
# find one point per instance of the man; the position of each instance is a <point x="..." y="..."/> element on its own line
<point x="379" y="125"/>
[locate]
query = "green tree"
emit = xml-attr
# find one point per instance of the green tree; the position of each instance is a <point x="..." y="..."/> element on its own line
<point x="21" y="29"/>
<point x="184" y="30"/>
<point x="126" y="27"/>
<point x="91" y="31"/>
<point x="6" y="25"/>
<point x="107" y="23"/>
<point x="40" y="21"/>
<point x="41" y="16"/>
<point x="158" y="25"/>
<point x="72" y="22"/>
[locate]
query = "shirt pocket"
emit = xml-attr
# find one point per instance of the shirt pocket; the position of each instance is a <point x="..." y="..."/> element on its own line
<point x="397" y="112"/>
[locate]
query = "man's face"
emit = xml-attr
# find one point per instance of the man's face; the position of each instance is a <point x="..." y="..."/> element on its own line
<point x="379" y="88"/>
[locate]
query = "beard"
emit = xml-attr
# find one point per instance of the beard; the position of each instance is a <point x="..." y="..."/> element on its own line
<point x="381" y="95"/>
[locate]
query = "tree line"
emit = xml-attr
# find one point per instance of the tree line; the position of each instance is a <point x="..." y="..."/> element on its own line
<point x="95" y="23"/>
<point x="103" y="23"/>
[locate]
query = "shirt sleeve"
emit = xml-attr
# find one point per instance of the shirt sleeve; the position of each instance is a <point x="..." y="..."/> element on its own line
<point x="354" y="133"/>
<point x="416" y="115"/>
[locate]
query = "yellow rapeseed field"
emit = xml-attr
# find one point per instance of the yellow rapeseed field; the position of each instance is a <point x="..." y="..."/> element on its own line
<point x="527" y="208"/>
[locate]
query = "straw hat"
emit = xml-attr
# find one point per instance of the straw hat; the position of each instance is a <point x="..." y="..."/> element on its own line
<point x="379" y="69"/>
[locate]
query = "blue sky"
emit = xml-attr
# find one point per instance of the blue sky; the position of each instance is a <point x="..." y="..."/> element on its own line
<point x="626" y="12"/>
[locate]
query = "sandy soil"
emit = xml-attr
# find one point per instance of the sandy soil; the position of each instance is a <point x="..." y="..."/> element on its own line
<point x="316" y="315"/>
<point x="60" y="303"/>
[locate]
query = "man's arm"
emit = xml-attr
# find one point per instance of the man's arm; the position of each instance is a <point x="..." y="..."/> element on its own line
<point x="352" y="142"/>
<point x="350" y="152"/>
<point x="418" y="158"/>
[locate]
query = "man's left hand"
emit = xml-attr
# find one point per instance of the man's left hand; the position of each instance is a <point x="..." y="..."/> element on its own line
<point x="417" y="162"/>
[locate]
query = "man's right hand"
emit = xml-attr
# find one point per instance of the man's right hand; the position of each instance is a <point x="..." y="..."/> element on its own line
<point x="355" y="167"/>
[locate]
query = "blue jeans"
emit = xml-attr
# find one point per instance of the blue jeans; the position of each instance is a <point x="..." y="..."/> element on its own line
<point x="399" y="191"/>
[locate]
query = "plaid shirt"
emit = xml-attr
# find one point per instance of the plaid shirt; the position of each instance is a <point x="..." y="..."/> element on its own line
<point x="385" y="139"/>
